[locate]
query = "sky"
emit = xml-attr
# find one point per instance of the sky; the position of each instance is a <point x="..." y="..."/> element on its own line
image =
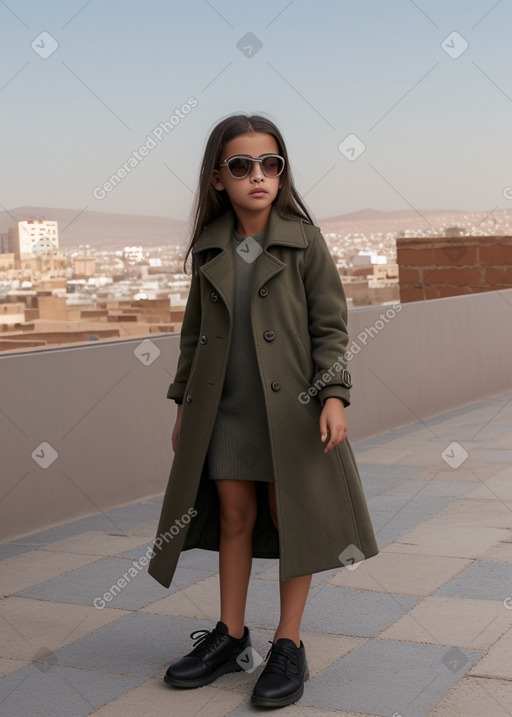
<point x="381" y="105"/>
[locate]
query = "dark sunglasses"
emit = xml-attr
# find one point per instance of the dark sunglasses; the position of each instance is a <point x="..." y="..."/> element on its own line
<point x="240" y="165"/>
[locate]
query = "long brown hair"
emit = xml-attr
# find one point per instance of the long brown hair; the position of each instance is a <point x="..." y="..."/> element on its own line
<point x="210" y="203"/>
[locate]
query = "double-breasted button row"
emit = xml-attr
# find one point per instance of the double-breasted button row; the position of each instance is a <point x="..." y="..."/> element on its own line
<point x="269" y="335"/>
<point x="275" y="386"/>
<point x="214" y="296"/>
<point x="263" y="291"/>
<point x="203" y="340"/>
<point x="188" y="398"/>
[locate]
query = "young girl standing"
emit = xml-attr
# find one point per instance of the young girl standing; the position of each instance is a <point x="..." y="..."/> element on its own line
<point x="262" y="464"/>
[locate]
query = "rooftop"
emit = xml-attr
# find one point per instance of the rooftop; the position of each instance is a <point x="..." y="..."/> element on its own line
<point x="423" y="628"/>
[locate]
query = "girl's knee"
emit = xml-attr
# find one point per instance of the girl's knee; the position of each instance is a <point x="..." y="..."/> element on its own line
<point x="238" y="508"/>
<point x="237" y="520"/>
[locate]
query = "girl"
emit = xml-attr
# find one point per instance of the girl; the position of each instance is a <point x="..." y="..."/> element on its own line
<point x="262" y="463"/>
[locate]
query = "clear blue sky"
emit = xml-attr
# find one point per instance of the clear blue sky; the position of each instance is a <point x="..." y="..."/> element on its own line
<point x="436" y="129"/>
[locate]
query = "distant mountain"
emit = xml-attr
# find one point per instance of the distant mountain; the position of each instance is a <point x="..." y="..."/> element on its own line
<point x="112" y="231"/>
<point x="115" y="231"/>
<point x="367" y="215"/>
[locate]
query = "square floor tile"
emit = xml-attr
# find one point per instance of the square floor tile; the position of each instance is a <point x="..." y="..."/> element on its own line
<point x="401" y="573"/>
<point x="342" y="611"/>
<point x="482" y="580"/>
<point x="476" y="697"/>
<point x="19" y="572"/>
<point x="384" y="677"/>
<point x="89" y="585"/>
<point x="138" y="645"/>
<point x="390" y="525"/>
<point x="96" y="542"/>
<point x="498" y="660"/>
<point x="156" y="699"/>
<point x="8" y="550"/>
<point x="419" y="503"/>
<point x="455" y="622"/>
<point x="7" y="666"/>
<point x="447" y="488"/>
<point x="476" y="512"/>
<point x="459" y="541"/>
<point x="59" y="691"/>
<point x="28" y="626"/>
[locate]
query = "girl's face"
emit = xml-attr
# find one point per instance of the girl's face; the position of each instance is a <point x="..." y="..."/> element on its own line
<point x="255" y="192"/>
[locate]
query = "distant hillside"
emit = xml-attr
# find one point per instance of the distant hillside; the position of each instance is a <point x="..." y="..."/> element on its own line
<point x="115" y="231"/>
<point x="367" y="215"/>
<point x="112" y="231"/>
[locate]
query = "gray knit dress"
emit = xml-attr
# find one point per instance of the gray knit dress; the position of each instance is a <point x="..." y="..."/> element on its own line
<point x="240" y="445"/>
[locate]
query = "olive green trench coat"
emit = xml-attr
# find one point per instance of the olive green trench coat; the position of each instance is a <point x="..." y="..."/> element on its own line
<point x="299" y="318"/>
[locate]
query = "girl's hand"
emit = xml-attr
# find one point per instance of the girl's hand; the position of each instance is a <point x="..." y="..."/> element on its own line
<point x="333" y="423"/>
<point x="176" y="429"/>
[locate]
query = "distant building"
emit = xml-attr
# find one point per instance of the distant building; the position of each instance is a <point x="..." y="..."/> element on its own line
<point x="133" y="254"/>
<point x="33" y="237"/>
<point x="84" y="267"/>
<point x="367" y="258"/>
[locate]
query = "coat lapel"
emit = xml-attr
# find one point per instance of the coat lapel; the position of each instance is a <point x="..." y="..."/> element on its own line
<point x="220" y="270"/>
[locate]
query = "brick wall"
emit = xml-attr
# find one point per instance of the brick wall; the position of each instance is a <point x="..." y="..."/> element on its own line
<point x="447" y="266"/>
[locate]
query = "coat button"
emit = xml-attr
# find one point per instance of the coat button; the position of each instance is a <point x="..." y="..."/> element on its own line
<point x="263" y="291"/>
<point x="275" y="385"/>
<point x="188" y="398"/>
<point x="203" y="340"/>
<point x="269" y="335"/>
<point x="214" y="296"/>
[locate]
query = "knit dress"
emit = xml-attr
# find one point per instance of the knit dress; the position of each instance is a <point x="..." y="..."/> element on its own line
<point x="240" y="444"/>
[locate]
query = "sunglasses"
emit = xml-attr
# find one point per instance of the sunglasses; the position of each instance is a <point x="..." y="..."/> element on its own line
<point x="240" y="165"/>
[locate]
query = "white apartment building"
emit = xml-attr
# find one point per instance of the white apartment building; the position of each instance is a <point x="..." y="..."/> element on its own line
<point x="32" y="237"/>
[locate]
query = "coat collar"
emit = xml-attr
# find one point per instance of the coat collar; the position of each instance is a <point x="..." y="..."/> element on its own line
<point x="280" y="230"/>
<point x="220" y="270"/>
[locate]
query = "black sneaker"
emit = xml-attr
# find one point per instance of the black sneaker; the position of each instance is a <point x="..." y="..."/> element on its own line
<point x="214" y="654"/>
<point x="282" y="681"/>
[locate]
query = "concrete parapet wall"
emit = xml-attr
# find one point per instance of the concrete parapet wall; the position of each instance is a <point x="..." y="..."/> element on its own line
<point x="87" y="428"/>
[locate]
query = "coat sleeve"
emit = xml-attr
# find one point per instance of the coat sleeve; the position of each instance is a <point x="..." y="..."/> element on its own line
<point x="188" y="342"/>
<point x="327" y="320"/>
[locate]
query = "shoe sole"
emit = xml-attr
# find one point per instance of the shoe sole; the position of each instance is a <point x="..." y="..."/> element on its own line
<point x="208" y="679"/>
<point x="283" y="701"/>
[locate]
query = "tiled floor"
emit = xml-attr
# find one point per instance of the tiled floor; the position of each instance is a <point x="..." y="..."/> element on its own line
<point x="423" y="628"/>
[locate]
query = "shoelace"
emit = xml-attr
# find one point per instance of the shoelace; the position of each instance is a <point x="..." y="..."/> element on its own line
<point x="278" y="658"/>
<point x="205" y="640"/>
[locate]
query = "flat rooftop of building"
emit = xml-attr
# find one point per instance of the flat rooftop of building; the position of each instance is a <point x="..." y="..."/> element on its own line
<point x="423" y="628"/>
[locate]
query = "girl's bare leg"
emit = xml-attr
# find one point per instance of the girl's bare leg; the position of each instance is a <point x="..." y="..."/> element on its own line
<point x="238" y="511"/>
<point x="293" y="592"/>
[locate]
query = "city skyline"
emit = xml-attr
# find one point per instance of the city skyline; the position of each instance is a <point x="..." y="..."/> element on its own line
<point x="391" y="107"/>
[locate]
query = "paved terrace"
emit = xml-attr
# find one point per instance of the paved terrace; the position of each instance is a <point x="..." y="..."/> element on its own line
<point x="424" y="628"/>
